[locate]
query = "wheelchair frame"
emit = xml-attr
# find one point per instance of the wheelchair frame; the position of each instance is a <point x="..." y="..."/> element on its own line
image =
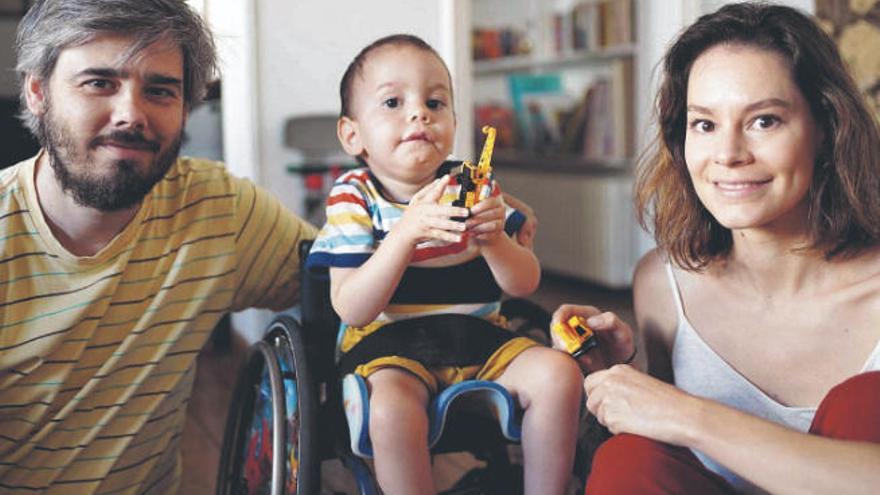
<point x="301" y="353"/>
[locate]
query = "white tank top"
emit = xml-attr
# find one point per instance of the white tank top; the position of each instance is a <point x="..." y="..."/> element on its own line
<point x="698" y="370"/>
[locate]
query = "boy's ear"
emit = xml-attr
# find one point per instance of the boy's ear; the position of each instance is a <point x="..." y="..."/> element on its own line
<point x="348" y="132"/>
<point x="35" y="94"/>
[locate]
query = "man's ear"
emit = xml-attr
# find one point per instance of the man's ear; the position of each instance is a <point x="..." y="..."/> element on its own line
<point x="35" y="94"/>
<point x="348" y="132"/>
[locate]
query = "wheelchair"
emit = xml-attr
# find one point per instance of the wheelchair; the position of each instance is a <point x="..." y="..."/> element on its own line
<point x="287" y="413"/>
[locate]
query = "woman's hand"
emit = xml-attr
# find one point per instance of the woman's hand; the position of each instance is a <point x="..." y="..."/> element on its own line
<point x="628" y="401"/>
<point x="616" y="339"/>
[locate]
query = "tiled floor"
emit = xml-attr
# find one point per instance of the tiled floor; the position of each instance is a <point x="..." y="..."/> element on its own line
<point x="203" y="434"/>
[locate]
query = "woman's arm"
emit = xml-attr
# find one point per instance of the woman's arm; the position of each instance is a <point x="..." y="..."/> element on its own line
<point x="776" y="458"/>
<point x="779" y="459"/>
<point x="771" y="456"/>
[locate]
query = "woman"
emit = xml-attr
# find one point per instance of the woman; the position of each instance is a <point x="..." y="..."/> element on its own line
<point x="761" y="303"/>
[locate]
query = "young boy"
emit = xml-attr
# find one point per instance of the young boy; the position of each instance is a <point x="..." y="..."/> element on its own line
<point x="404" y="273"/>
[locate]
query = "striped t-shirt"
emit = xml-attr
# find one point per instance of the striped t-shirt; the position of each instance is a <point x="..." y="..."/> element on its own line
<point x="442" y="277"/>
<point x="97" y="353"/>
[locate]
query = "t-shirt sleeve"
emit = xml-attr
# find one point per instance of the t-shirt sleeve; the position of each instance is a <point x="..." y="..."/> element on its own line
<point x="348" y="239"/>
<point x="267" y="249"/>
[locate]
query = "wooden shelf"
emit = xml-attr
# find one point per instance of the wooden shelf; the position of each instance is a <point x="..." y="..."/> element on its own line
<point x="526" y="63"/>
<point x="560" y="163"/>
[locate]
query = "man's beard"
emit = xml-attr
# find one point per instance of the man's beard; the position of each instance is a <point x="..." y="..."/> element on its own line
<point x="124" y="187"/>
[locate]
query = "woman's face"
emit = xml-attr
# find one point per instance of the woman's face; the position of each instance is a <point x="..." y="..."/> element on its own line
<point x="751" y="139"/>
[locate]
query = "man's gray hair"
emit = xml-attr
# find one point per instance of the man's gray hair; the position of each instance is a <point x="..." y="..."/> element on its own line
<point x="50" y="26"/>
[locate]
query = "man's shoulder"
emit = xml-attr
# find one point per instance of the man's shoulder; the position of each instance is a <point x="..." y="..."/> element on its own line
<point x="197" y="176"/>
<point x="186" y="166"/>
<point x="9" y="175"/>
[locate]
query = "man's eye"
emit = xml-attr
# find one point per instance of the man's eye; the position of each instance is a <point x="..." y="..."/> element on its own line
<point x="98" y="83"/>
<point x="162" y="92"/>
<point x="391" y="102"/>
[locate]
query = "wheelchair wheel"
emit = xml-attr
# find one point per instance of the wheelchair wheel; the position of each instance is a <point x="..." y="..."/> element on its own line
<point x="269" y="446"/>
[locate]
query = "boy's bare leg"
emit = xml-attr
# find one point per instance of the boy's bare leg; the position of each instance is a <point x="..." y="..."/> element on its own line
<point x="399" y="432"/>
<point x="547" y="384"/>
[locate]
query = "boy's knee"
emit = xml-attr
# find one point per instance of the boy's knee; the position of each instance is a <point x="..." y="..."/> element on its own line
<point x="560" y="370"/>
<point x="401" y="413"/>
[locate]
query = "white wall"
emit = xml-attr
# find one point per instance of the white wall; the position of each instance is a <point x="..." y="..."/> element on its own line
<point x="282" y="58"/>
<point x="303" y="49"/>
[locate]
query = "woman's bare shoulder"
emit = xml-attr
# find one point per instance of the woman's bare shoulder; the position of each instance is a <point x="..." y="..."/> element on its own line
<point x="653" y="298"/>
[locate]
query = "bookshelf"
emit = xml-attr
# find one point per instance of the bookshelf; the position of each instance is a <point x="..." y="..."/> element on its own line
<point x="527" y="63"/>
<point x="557" y="79"/>
<point x="568" y="65"/>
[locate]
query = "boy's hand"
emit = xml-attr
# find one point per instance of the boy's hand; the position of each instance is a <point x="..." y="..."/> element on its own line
<point x="425" y="219"/>
<point x="486" y="223"/>
<point x="615" y="337"/>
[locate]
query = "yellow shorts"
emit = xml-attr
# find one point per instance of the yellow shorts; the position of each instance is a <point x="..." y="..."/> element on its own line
<point x="438" y="378"/>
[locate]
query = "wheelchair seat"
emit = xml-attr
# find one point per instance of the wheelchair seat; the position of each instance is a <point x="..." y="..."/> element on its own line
<point x="289" y="407"/>
<point x="483" y="394"/>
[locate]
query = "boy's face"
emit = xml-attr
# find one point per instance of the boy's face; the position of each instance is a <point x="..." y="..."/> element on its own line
<point x="403" y="122"/>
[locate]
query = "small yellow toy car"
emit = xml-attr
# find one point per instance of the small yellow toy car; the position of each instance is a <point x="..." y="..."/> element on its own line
<point x="577" y="337"/>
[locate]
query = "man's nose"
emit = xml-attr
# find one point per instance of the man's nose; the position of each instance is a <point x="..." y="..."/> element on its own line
<point x="129" y="110"/>
<point x="731" y="147"/>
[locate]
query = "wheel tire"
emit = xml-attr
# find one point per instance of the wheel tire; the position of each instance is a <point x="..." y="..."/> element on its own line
<point x="290" y="344"/>
<point x="283" y="348"/>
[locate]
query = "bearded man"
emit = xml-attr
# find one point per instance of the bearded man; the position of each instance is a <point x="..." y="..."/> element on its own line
<point x="118" y="257"/>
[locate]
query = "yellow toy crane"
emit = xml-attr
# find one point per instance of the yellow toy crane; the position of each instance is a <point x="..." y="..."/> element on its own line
<point x="476" y="181"/>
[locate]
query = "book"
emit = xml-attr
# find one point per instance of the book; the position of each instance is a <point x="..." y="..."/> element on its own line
<point x="523" y="91"/>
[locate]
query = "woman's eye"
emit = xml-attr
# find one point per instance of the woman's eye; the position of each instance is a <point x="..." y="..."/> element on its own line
<point x="701" y="125"/>
<point x="766" y="121"/>
<point x="391" y="102"/>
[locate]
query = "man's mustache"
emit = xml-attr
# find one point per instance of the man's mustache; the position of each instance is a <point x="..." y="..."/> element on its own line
<point x="126" y="139"/>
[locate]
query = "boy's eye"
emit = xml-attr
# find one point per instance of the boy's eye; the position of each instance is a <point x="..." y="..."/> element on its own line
<point x="434" y="103"/>
<point x="391" y="102"/>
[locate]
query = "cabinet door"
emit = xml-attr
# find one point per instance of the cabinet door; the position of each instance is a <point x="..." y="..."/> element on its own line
<point x="585" y="223"/>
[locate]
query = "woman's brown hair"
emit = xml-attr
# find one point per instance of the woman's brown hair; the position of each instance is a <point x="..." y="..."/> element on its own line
<point x="844" y="198"/>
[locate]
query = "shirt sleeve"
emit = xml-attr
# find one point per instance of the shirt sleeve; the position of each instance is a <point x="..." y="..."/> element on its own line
<point x="267" y="247"/>
<point x="348" y="238"/>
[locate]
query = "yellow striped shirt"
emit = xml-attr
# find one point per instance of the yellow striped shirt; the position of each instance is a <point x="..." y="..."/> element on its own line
<point x="97" y="353"/>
